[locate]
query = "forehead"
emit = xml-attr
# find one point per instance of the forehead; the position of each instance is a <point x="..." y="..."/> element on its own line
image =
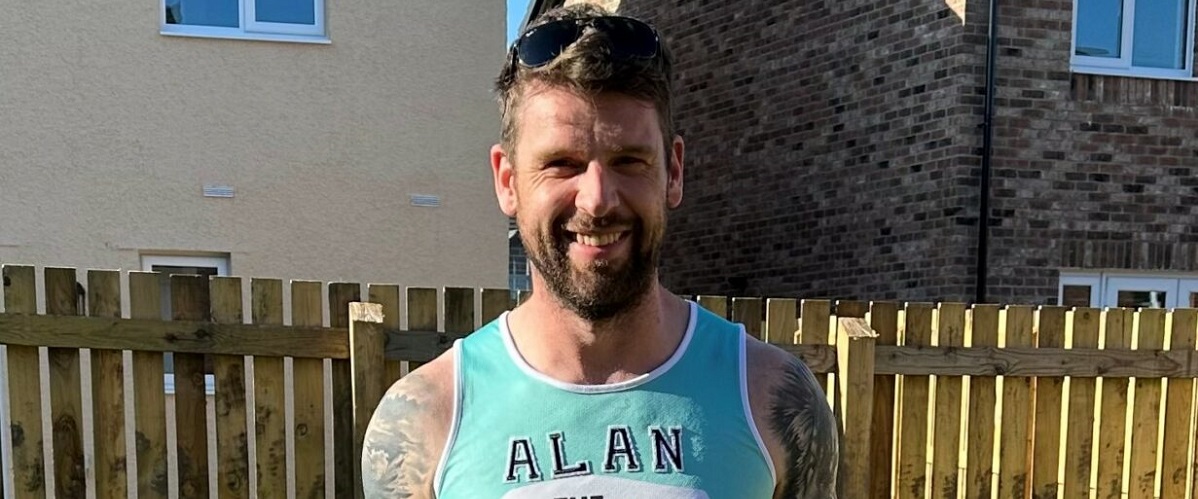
<point x="556" y="117"/>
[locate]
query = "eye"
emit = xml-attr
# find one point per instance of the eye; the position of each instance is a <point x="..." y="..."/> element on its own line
<point x="629" y="161"/>
<point x="561" y="163"/>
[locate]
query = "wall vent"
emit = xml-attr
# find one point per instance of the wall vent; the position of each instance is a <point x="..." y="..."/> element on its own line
<point x="425" y="200"/>
<point x="218" y="191"/>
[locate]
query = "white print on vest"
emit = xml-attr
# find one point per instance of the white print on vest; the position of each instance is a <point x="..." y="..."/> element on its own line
<point x="621" y="448"/>
<point x="602" y="487"/>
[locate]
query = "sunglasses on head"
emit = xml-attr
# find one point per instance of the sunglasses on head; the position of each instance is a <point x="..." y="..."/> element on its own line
<point x="627" y="39"/>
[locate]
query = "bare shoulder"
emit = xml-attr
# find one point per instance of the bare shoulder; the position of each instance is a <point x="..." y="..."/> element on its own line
<point x="795" y="421"/>
<point x="407" y="433"/>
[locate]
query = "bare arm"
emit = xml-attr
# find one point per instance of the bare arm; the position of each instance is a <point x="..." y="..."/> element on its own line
<point x="404" y="441"/>
<point x="806" y="429"/>
<point x="795" y="421"/>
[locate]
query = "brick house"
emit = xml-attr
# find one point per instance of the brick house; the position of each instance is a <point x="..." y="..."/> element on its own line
<point x="841" y="149"/>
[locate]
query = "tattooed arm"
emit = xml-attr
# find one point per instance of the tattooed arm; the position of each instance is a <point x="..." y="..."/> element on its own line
<point x="406" y="435"/>
<point x="795" y="421"/>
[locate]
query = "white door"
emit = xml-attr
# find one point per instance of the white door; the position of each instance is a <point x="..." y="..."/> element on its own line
<point x="1187" y="293"/>
<point x="1140" y="292"/>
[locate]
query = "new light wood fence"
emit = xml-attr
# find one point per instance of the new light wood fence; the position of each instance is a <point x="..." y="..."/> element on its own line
<point x="935" y="400"/>
<point x="954" y="401"/>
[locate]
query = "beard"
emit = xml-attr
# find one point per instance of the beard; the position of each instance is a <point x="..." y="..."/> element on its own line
<point x="603" y="289"/>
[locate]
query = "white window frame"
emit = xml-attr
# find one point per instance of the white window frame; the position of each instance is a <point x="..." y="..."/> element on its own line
<point x="1184" y="288"/>
<point x="1122" y="66"/>
<point x="1140" y="283"/>
<point x="221" y="264"/>
<point x="248" y="29"/>
<point x="1093" y="281"/>
<point x="1104" y="285"/>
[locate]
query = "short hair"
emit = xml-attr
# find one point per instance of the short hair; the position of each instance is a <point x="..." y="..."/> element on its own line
<point x="585" y="67"/>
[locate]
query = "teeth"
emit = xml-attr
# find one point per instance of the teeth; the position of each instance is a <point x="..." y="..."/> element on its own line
<point x="598" y="239"/>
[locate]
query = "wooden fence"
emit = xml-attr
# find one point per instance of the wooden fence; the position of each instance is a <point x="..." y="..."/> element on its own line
<point x="272" y="430"/>
<point x="935" y="400"/>
<point x="948" y="400"/>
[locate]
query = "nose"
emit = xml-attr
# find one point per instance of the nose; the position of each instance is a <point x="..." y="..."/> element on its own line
<point x="597" y="195"/>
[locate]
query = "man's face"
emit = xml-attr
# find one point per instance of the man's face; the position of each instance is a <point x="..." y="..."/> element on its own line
<point x="589" y="185"/>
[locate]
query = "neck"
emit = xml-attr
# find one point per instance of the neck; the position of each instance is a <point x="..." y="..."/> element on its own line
<point x="562" y="345"/>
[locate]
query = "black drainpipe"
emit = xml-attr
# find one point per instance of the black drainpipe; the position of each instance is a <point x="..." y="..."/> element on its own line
<point x="987" y="148"/>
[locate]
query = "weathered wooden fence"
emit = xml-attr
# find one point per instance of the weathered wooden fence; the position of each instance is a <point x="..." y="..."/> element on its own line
<point x="284" y="395"/>
<point x="935" y="400"/>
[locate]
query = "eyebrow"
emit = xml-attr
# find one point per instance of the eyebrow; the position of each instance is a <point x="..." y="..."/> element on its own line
<point x="632" y="150"/>
<point x="635" y="150"/>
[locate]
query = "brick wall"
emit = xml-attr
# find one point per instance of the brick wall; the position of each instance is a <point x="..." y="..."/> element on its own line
<point x="1090" y="172"/>
<point x="834" y="150"/>
<point x="831" y="147"/>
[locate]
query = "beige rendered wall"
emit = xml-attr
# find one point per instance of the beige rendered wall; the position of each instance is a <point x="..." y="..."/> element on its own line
<point x="109" y="130"/>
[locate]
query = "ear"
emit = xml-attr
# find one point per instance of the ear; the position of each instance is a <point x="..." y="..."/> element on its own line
<point x="505" y="187"/>
<point x="674" y="173"/>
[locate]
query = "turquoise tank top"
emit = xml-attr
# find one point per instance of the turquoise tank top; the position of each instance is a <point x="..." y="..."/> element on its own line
<point x="682" y="431"/>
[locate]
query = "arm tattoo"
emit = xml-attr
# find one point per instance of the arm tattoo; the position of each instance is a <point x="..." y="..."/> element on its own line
<point x="396" y="461"/>
<point x="803" y="420"/>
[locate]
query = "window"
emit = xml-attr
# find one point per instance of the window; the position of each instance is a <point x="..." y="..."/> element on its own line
<point x="1187" y="295"/>
<point x="282" y="20"/>
<point x="1122" y="289"/>
<point x="1080" y="291"/>
<point x="518" y="278"/>
<point x="1150" y="38"/>
<point x="182" y="265"/>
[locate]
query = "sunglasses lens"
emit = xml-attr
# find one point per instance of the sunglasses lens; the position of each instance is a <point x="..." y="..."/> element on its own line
<point x="544" y="43"/>
<point x="629" y="38"/>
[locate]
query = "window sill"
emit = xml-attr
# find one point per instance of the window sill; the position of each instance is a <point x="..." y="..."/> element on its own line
<point x="260" y="37"/>
<point x="1130" y="73"/>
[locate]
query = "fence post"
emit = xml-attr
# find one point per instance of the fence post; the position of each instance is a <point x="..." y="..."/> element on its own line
<point x="366" y="345"/>
<point x="855" y="373"/>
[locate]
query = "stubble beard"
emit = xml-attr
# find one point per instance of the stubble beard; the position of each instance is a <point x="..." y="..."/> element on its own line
<point x="603" y="290"/>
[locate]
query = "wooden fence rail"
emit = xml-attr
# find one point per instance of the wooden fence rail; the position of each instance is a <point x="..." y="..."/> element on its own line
<point x="935" y="400"/>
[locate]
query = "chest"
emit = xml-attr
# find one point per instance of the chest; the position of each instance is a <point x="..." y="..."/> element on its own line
<point x="647" y="448"/>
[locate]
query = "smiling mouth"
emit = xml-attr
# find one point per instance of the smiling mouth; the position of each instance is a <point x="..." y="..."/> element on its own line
<point x="597" y="240"/>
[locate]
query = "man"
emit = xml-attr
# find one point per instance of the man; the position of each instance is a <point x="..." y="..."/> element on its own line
<point x="602" y="384"/>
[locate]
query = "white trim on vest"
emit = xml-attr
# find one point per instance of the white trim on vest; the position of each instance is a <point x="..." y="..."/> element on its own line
<point x="528" y="370"/>
<point x="744" y="399"/>
<point x="450" y="439"/>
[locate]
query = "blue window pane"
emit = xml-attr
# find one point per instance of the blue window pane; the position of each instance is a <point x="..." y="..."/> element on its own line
<point x="285" y="11"/>
<point x="519" y="283"/>
<point x="1099" y="27"/>
<point x="203" y="12"/>
<point x="1159" y="38"/>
